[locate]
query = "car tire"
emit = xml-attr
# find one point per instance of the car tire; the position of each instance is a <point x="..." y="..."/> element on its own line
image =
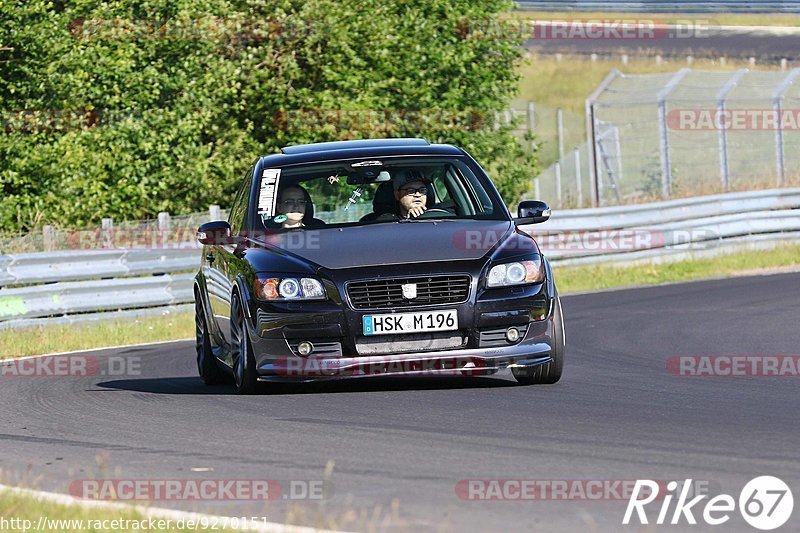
<point x="207" y="365"/>
<point x="548" y="373"/>
<point x="245" y="376"/>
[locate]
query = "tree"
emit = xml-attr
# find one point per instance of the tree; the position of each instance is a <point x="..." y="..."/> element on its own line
<point x="128" y="108"/>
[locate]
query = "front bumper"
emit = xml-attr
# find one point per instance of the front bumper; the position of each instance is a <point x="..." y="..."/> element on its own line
<point x="276" y="361"/>
<point x="471" y="362"/>
<point x="334" y="326"/>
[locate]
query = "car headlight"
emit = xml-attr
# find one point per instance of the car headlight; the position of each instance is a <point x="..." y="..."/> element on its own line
<point x="516" y="273"/>
<point x="280" y="289"/>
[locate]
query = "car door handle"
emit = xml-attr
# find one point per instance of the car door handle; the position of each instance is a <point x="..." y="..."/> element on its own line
<point x="210" y="258"/>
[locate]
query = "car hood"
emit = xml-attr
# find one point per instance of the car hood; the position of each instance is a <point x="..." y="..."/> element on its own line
<point x="393" y="243"/>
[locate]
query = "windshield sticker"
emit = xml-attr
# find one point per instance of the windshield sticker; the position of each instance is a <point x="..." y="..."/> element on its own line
<point x="268" y="195"/>
<point x="367" y="164"/>
<point x="280" y="219"/>
<point x="356" y="194"/>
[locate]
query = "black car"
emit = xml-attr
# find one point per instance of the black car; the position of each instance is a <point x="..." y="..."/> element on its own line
<point x="374" y="258"/>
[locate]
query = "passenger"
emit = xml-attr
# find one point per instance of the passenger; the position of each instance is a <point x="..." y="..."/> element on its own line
<point x="293" y="203"/>
<point x="411" y="193"/>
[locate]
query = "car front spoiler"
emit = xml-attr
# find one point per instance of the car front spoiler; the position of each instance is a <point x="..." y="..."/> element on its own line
<point x="469" y="362"/>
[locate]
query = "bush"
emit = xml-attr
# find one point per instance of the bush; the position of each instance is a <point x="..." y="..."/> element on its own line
<point x="128" y="108"/>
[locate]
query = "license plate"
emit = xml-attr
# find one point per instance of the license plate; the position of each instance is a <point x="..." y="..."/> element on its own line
<point x="399" y="323"/>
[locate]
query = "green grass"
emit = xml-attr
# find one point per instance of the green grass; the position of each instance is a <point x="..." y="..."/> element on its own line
<point x="67" y="338"/>
<point x="711" y="19"/>
<point x="588" y="278"/>
<point x="25" y="507"/>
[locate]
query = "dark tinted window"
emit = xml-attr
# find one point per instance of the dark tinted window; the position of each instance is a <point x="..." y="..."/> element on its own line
<point x="362" y="191"/>
<point x="239" y="208"/>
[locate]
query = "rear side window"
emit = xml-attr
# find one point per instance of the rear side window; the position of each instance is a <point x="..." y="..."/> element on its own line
<point x="238" y="213"/>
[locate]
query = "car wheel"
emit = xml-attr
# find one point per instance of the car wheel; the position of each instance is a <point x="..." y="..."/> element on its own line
<point x="207" y="365"/>
<point x="550" y="372"/>
<point x="245" y="376"/>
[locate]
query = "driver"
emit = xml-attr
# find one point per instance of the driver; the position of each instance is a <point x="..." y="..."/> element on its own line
<point x="411" y="192"/>
<point x="292" y="205"/>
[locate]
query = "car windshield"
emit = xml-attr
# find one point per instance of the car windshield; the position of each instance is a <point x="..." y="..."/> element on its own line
<point x="371" y="191"/>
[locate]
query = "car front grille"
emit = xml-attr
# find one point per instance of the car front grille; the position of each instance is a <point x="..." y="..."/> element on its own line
<point x="414" y="342"/>
<point x="388" y="293"/>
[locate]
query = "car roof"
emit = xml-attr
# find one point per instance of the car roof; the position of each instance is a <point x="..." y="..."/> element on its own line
<point x="366" y="148"/>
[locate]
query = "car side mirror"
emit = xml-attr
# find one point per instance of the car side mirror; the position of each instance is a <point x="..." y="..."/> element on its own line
<point x="216" y="232"/>
<point x="532" y="212"/>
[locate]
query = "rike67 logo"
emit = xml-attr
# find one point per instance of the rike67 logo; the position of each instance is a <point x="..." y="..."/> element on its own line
<point x="765" y="503"/>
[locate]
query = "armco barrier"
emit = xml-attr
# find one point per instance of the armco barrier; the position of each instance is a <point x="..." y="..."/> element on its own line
<point x="687" y="209"/>
<point x="72" y="286"/>
<point x="87" y="264"/>
<point x="685" y="235"/>
<point x="96" y="295"/>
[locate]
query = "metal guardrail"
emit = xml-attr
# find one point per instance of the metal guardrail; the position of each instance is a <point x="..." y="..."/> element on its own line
<point x="686" y="252"/>
<point x="658" y="231"/>
<point x="46" y="267"/>
<point x="664" y="6"/>
<point x="72" y="297"/>
<point x="646" y="215"/>
<point x="66" y="287"/>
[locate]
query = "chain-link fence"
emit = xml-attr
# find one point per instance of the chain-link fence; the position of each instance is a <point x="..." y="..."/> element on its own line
<point x="690" y="133"/>
<point x="681" y="134"/>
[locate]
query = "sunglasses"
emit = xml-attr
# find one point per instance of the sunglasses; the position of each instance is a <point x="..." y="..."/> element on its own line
<point x="295" y="203"/>
<point x="421" y="190"/>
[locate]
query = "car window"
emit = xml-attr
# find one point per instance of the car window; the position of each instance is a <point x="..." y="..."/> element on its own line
<point x="363" y="192"/>
<point x="442" y="194"/>
<point x="238" y="213"/>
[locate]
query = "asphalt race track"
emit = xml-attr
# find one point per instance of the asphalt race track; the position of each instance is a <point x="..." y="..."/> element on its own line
<point x="764" y="45"/>
<point x="618" y="414"/>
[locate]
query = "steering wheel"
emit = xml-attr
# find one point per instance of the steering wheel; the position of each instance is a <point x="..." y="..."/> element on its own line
<point x="435" y="212"/>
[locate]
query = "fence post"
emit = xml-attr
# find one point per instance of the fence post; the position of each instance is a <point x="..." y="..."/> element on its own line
<point x="560" y="132"/>
<point x="214" y="213"/>
<point x="559" y="197"/>
<point x="49" y="238"/>
<point x="578" y="184"/>
<point x="164" y="226"/>
<point x="777" y="104"/>
<point x="591" y="135"/>
<point x="532" y="123"/>
<point x="666" y="164"/>
<point x="618" y="149"/>
<point x="723" y="127"/>
<point x="107" y="226"/>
